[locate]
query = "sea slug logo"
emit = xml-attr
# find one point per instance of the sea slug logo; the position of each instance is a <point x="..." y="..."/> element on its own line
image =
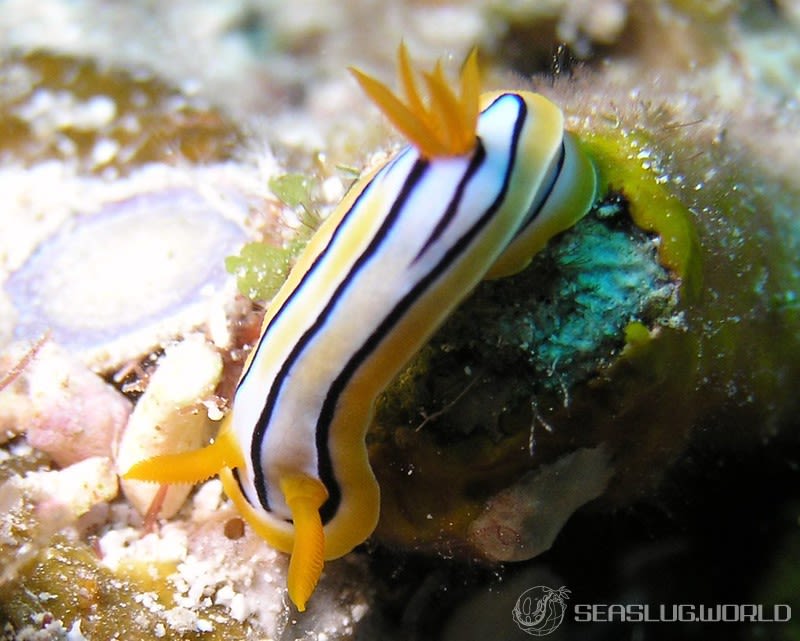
<point x="540" y="610"/>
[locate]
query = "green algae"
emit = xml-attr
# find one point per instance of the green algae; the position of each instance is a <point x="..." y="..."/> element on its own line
<point x="292" y="189"/>
<point x="627" y="162"/>
<point x="260" y="269"/>
<point x="637" y="336"/>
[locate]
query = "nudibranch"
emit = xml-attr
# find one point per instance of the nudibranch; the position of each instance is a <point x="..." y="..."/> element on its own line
<point x="486" y="180"/>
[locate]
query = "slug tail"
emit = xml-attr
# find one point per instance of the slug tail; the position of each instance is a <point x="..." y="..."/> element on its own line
<point x="304" y="496"/>
<point x="189" y="467"/>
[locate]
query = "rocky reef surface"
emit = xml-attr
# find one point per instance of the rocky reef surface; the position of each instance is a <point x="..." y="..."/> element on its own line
<point x="620" y="418"/>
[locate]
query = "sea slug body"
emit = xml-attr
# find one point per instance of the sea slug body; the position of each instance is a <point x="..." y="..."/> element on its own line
<point x="486" y="180"/>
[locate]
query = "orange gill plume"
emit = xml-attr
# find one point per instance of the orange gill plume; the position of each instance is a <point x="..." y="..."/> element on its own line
<point x="447" y="125"/>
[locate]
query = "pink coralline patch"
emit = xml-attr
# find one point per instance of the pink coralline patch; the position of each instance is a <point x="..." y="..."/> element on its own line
<point x="65" y="409"/>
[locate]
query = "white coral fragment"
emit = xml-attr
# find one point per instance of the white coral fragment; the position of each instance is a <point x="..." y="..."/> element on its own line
<point x="170" y="417"/>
